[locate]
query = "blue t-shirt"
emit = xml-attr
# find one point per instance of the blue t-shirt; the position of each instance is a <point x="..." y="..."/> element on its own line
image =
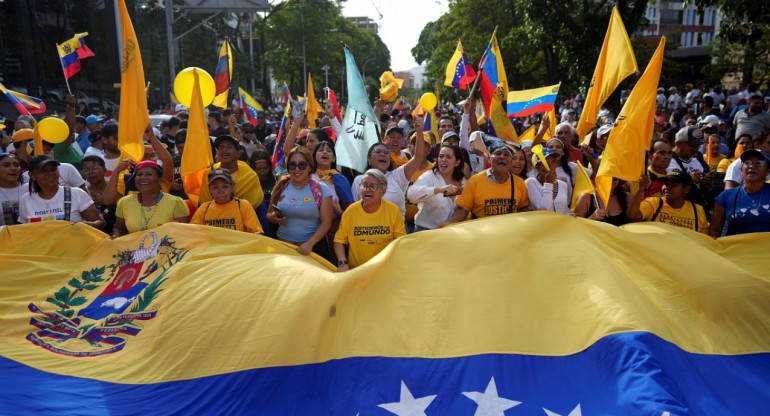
<point x="746" y="212"/>
<point x="301" y="211"/>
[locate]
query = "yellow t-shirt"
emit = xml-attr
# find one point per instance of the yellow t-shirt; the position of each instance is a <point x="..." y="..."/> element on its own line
<point x="683" y="217"/>
<point x="234" y="215"/>
<point x="715" y="160"/>
<point x="485" y="198"/>
<point x="412" y="209"/>
<point x="724" y="164"/>
<point x="138" y="218"/>
<point x="246" y="182"/>
<point x="368" y="234"/>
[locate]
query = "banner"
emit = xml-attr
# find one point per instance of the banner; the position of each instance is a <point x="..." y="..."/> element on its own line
<point x="188" y="319"/>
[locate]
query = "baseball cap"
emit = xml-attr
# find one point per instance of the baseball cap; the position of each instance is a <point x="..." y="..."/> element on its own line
<point x="220" y="173"/>
<point x="745" y="155"/>
<point x="603" y="130"/>
<point x="450" y="135"/>
<point x="710" y="119"/>
<point x="37" y="162"/>
<point x="679" y="177"/>
<point x="691" y="134"/>
<point x="180" y="107"/>
<point x="22" y="134"/>
<point x="226" y="137"/>
<point x="546" y="152"/>
<point x="93" y="119"/>
<point x="396" y="129"/>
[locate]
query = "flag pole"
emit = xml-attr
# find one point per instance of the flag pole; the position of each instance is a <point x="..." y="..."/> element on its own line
<point x="66" y="80"/>
<point x="476" y="82"/>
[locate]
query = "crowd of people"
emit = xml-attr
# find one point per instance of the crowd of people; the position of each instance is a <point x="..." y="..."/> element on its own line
<point x="707" y="170"/>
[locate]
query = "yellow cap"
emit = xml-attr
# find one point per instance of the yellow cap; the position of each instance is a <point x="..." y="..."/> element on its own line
<point x="22" y="134"/>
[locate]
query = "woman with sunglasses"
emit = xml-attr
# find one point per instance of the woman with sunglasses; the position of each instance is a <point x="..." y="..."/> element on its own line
<point x="747" y="207"/>
<point x="301" y="205"/>
<point x="11" y="188"/>
<point x="379" y="158"/>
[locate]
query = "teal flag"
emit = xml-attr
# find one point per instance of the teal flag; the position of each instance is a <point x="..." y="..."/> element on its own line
<point x="359" y="126"/>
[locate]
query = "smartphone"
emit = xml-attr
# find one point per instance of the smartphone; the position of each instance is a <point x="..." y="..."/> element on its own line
<point x="278" y="210"/>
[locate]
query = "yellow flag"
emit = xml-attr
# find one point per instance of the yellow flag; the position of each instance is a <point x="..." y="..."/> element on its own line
<point x="551" y="133"/>
<point x="616" y="62"/>
<point x="623" y="156"/>
<point x="583" y="185"/>
<point x="134" y="118"/>
<point x="313" y="108"/>
<point x="197" y="151"/>
<point x="37" y="139"/>
<point x="502" y="124"/>
<point x="529" y="134"/>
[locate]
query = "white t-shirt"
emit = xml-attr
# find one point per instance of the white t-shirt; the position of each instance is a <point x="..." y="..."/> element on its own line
<point x="109" y="166"/>
<point x="32" y="208"/>
<point x="397" y="184"/>
<point x="9" y="203"/>
<point x="92" y="151"/>
<point x="68" y="176"/>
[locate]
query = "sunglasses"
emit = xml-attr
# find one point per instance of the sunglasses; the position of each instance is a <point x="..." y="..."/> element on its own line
<point x="295" y="165"/>
<point x="381" y="152"/>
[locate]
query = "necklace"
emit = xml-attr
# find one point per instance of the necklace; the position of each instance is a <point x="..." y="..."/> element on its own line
<point x="95" y="194"/>
<point x="753" y="202"/>
<point x="154" y="208"/>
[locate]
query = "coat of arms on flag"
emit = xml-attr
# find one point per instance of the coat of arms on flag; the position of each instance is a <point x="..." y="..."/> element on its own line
<point x="80" y="320"/>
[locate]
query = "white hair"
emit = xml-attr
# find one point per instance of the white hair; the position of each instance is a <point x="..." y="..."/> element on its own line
<point x="377" y="174"/>
<point x="566" y="123"/>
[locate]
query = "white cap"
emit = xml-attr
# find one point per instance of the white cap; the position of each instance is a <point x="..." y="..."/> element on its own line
<point x="603" y="130"/>
<point x="180" y="107"/>
<point x="710" y="119"/>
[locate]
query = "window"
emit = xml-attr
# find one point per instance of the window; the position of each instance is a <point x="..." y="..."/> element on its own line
<point x="651" y="13"/>
<point x="671" y="17"/>
<point x="708" y="37"/>
<point x="690" y="16"/>
<point x="710" y="21"/>
<point x="688" y="39"/>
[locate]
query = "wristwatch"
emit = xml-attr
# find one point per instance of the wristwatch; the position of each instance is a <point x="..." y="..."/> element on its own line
<point x="341" y="263"/>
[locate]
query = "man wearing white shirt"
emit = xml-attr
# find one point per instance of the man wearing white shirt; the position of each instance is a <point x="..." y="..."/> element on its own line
<point x="97" y="145"/>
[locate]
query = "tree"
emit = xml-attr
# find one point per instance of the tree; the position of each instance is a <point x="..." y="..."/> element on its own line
<point x="319" y="25"/>
<point x="542" y="43"/>
<point x="742" y="46"/>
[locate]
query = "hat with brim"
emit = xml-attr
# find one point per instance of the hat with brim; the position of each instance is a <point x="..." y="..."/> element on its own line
<point x="450" y="135"/>
<point x="131" y="181"/>
<point x="396" y="129"/>
<point x="37" y="162"/>
<point x="93" y="119"/>
<point x="691" y="134"/>
<point x="22" y="134"/>
<point x="605" y="129"/>
<point x="678" y="177"/>
<point x="220" y="173"/>
<point x="221" y="139"/>
<point x="754" y="152"/>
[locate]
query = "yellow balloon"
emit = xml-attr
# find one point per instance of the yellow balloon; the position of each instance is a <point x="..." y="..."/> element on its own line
<point x="53" y="130"/>
<point x="428" y="101"/>
<point x="183" y="86"/>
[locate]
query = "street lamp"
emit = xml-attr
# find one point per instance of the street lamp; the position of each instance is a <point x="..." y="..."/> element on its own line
<point x="325" y="68"/>
<point x="363" y="68"/>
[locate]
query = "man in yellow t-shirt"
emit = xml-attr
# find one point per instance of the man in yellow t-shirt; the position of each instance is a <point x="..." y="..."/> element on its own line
<point x="368" y="233"/>
<point x="246" y="181"/>
<point x="226" y="211"/>
<point x="672" y="208"/>
<point x="492" y="192"/>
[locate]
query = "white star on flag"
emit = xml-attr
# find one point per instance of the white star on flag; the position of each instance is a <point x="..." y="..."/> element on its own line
<point x="407" y="404"/>
<point x="574" y="412"/>
<point x="489" y="402"/>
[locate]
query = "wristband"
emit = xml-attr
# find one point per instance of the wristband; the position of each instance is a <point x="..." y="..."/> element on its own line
<point x="341" y="263"/>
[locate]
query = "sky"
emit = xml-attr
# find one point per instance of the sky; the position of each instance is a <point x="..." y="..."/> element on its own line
<point x="400" y="25"/>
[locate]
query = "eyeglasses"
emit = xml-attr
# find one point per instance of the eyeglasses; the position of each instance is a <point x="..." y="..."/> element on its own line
<point x="369" y="186"/>
<point x="295" y="165"/>
<point x="758" y="163"/>
<point x="381" y="152"/>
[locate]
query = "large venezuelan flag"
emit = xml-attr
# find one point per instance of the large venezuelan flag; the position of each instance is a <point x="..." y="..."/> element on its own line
<point x="201" y="321"/>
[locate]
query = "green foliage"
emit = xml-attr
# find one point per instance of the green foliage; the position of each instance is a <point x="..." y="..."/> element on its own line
<point x="742" y="46"/>
<point x="319" y="23"/>
<point x="542" y="42"/>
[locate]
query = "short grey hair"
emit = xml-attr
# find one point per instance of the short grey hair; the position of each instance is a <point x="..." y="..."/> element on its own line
<point x="377" y="174"/>
<point x="566" y="123"/>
